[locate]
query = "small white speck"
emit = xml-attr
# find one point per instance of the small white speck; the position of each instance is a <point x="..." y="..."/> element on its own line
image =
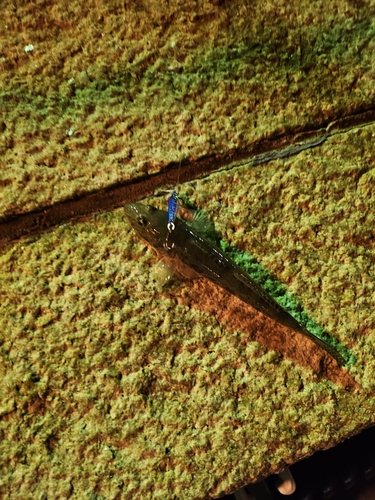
<point x="29" y="48"/>
<point x="70" y="132"/>
<point x="173" y="44"/>
<point x="71" y="80"/>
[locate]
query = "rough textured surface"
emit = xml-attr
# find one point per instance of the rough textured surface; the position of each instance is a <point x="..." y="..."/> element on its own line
<point x="115" y="388"/>
<point x="97" y="93"/>
<point x="111" y="386"/>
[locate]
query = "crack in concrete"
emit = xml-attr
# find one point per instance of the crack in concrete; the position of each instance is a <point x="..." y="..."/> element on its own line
<point x="279" y="146"/>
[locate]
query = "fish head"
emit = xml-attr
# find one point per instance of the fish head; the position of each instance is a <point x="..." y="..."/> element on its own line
<point x="149" y="222"/>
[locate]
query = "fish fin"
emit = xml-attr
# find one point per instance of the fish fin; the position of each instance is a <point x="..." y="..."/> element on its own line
<point x="170" y="269"/>
<point x="163" y="274"/>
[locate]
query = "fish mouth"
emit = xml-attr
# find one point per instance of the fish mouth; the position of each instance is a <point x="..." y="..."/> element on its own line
<point x="136" y="210"/>
<point x="131" y="213"/>
<point x="130" y="209"/>
<point x="139" y="214"/>
<point x="148" y="221"/>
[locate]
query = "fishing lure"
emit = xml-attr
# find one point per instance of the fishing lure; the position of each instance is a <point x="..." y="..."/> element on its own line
<point x="186" y="246"/>
<point x="172" y="214"/>
<point x="172" y="210"/>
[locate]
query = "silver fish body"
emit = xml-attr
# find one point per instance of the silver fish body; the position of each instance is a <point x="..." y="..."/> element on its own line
<point x="207" y="260"/>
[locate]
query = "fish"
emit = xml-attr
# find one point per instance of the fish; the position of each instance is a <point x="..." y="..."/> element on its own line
<point x="184" y="245"/>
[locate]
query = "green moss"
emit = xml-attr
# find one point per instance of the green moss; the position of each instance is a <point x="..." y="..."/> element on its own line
<point x="277" y="290"/>
<point x="189" y="87"/>
<point x="111" y="388"/>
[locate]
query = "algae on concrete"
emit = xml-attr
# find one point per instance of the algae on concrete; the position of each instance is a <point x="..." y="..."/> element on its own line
<point x="113" y="90"/>
<point x="116" y="389"/>
<point x="112" y="388"/>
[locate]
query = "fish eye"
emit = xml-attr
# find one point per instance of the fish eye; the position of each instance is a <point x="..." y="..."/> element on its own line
<point x="142" y="221"/>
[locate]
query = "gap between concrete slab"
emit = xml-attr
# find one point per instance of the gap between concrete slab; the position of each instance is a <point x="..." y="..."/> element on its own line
<point x="280" y="146"/>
